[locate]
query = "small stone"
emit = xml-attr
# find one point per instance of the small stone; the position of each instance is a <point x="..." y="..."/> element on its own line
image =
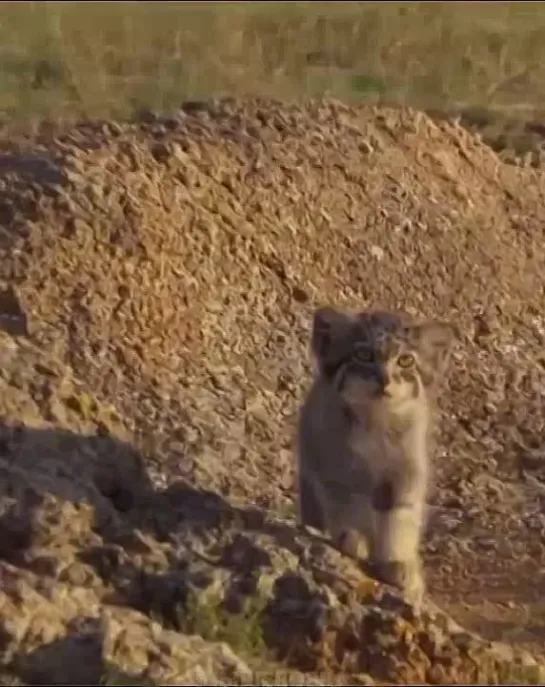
<point x="377" y="252"/>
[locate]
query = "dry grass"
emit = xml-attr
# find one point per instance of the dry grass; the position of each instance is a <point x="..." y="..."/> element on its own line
<point x="108" y="59"/>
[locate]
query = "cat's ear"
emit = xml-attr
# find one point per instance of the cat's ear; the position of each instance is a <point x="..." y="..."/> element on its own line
<point x="435" y="341"/>
<point x="329" y="326"/>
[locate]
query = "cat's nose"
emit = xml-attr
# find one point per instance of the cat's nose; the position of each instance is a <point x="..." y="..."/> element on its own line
<point x="388" y="390"/>
<point x="385" y="383"/>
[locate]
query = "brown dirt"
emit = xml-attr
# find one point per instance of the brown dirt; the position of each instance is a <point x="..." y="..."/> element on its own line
<point x="156" y="288"/>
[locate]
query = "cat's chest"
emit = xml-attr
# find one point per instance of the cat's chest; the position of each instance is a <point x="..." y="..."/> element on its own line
<point x="378" y="451"/>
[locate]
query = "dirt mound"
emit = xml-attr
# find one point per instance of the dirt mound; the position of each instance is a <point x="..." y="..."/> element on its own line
<point x="156" y="287"/>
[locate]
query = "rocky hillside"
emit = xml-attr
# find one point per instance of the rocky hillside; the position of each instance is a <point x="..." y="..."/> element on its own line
<point x="157" y="281"/>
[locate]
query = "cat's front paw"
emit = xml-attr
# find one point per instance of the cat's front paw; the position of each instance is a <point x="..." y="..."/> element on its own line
<point x="350" y="543"/>
<point x="405" y="575"/>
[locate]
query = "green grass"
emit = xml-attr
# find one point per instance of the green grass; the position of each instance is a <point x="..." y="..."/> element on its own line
<point x="242" y="631"/>
<point x="108" y="59"/>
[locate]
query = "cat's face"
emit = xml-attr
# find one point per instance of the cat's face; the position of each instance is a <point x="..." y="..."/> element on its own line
<point x="380" y="358"/>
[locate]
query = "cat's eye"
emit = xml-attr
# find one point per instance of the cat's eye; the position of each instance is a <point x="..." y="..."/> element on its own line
<point x="363" y="355"/>
<point x="405" y="360"/>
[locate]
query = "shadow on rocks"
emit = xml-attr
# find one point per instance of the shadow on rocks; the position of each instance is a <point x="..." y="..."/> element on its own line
<point x="83" y="531"/>
<point x="58" y="486"/>
<point x="197" y="564"/>
<point x="80" y="512"/>
<point x="75" y="659"/>
<point x="78" y="658"/>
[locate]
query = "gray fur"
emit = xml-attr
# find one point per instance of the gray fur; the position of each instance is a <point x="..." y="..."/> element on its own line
<point x="364" y="436"/>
